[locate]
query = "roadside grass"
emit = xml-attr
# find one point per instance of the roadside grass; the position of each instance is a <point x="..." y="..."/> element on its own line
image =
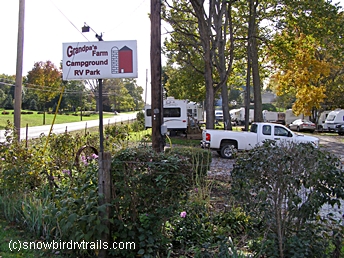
<point x="37" y="119"/>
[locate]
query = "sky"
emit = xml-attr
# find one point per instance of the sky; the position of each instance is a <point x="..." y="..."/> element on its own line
<point x="50" y="23"/>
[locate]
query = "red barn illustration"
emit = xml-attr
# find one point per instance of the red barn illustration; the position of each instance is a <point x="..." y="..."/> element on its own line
<point x="121" y="60"/>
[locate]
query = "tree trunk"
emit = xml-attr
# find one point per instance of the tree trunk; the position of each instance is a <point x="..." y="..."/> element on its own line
<point x="258" y="115"/>
<point x="205" y="33"/>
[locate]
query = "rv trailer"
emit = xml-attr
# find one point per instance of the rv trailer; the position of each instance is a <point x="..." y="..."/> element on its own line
<point x="177" y="114"/>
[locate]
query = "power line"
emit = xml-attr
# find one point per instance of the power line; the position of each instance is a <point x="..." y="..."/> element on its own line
<point x="68" y="20"/>
<point x="123" y="22"/>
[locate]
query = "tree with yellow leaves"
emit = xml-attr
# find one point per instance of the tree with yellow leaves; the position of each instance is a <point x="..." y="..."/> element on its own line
<point x="301" y="72"/>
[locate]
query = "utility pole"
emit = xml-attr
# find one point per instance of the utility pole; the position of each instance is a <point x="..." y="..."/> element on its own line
<point x="19" y="69"/>
<point x="157" y="101"/>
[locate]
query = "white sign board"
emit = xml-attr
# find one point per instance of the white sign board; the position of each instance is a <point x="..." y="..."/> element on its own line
<point x="99" y="60"/>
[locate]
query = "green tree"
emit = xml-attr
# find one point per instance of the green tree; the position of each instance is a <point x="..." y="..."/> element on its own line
<point x="135" y="92"/>
<point x="2" y="97"/>
<point x="203" y="41"/>
<point x="8" y="103"/>
<point x="33" y="105"/>
<point x="75" y="95"/>
<point x="116" y="96"/>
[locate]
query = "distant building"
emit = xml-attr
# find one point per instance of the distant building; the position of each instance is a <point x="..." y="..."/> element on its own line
<point x="268" y="97"/>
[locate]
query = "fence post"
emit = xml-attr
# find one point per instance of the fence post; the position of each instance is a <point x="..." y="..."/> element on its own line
<point x="104" y="190"/>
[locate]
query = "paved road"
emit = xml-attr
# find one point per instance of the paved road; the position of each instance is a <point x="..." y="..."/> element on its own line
<point x="35" y="132"/>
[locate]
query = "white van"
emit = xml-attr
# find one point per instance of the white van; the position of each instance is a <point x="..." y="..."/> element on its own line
<point x="334" y="118"/>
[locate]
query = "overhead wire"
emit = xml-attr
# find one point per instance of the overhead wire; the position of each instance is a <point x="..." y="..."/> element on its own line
<point x="69" y="20"/>
<point x="123" y="21"/>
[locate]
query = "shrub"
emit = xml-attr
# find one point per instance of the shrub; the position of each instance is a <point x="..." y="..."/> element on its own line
<point x="283" y="188"/>
<point x="200" y="159"/>
<point x="20" y="166"/>
<point x="148" y="187"/>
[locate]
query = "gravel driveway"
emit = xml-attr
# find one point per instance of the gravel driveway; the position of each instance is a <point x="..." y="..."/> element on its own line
<point x="221" y="168"/>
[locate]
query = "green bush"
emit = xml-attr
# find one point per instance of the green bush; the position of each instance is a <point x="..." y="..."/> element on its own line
<point x="148" y="189"/>
<point x="20" y="166"/>
<point x="283" y="189"/>
<point x="200" y="159"/>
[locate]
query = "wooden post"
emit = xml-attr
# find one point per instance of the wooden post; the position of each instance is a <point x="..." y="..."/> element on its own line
<point x="19" y="70"/>
<point x="157" y="102"/>
<point x="104" y="190"/>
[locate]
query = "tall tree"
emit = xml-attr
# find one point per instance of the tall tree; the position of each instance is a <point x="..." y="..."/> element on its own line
<point x="253" y="56"/>
<point x="311" y="33"/>
<point x="46" y="79"/>
<point x="304" y="75"/>
<point x="208" y="34"/>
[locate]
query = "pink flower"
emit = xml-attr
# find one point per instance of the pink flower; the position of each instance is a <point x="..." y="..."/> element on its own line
<point x="66" y="171"/>
<point x="94" y="156"/>
<point x="183" y="214"/>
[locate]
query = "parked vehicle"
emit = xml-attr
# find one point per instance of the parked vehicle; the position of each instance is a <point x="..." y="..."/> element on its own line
<point x="274" y="117"/>
<point x="334" y="118"/>
<point x="321" y="120"/>
<point x="176" y="114"/>
<point x="218" y="115"/>
<point x="238" y="115"/>
<point x="227" y="142"/>
<point x="301" y="125"/>
<point x="340" y="129"/>
<point x="291" y="117"/>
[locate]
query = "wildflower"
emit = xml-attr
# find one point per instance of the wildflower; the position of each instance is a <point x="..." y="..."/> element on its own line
<point x="196" y="190"/>
<point x="84" y="160"/>
<point x="183" y="214"/>
<point x="94" y="156"/>
<point x="66" y="171"/>
<point x="2" y="159"/>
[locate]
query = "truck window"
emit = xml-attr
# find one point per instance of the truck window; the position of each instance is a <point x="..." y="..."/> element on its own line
<point x="253" y="128"/>
<point x="168" y="112"/>
<point x="280" y="131"/>
<point x="267" y="129"/>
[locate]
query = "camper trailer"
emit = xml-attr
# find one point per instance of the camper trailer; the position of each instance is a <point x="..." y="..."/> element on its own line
<point x="321" y="120"/>
<point x="335" y="117"/>
<point x="274" y="117"/>
<point x="177" y="114"/>
<point x="238" y="115"/>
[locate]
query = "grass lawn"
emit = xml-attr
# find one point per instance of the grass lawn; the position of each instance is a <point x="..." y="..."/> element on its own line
<point x="37" y="119"/>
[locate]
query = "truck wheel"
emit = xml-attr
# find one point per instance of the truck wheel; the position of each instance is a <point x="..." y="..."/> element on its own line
<point x="228" y="151"/>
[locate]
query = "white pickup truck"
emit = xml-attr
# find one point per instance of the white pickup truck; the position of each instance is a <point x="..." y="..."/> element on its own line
<point x="226" y="142"/>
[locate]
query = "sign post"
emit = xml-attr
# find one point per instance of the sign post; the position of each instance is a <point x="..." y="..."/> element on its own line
<point x="101" y="60"/>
